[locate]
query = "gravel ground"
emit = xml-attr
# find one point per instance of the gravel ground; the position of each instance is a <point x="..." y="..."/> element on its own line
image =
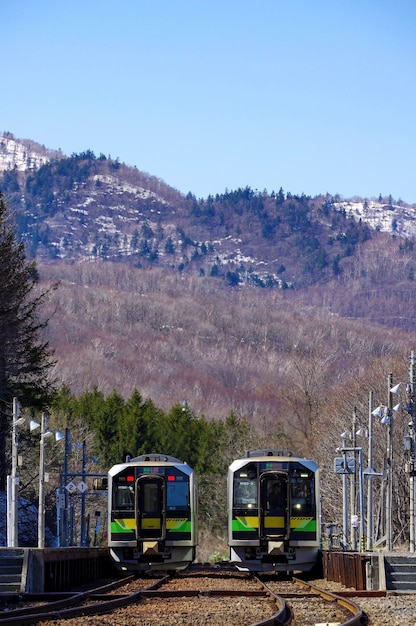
<point x="394" y="610"/>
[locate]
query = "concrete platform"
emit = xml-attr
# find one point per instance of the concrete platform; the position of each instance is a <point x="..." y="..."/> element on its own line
<point x="35" y="570"/>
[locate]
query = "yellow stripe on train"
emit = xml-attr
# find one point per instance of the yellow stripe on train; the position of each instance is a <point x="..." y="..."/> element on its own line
<point x="129" y="523"/>
<point x="274" y="521"/>
<point x="246" y="522"/>
<point x="150" y="523"/>
<point x="301" y="522"/>
<point x="175" y="522"/>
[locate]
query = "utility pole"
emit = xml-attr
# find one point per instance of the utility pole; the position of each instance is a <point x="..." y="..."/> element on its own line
<point x="12" y="484"/>
<point x="64" y="496"/>
<point x="44" y="435"/>
<point x="389" y="461"/>
<point x="83" y="533"/>
<point x="353" y="494"/>
<point x="411" y="466"/>
<point x="370" y="492"/>
<point x="345" y="520"/>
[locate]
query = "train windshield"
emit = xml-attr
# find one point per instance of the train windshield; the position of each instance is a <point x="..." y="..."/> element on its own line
<point x="245" y="488"/>
<point x="177" y="494"/>
<point x="302" y="491"/>
<point x="123" y="491"/>
<point x="123" y="498"/>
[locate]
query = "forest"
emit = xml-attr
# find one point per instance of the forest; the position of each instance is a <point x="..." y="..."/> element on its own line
<point x="147" y="361"/>
<point x="167" y="335"/>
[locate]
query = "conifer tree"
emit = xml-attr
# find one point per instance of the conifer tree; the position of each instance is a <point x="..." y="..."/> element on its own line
<point x="25" y="358"/>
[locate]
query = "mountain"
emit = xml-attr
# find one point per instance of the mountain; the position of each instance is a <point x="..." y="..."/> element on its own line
<point x="95" y="208"/>
<point x="248" y="301"/>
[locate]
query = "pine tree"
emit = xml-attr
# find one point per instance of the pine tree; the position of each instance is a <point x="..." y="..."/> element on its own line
<point x="25" y="359"/>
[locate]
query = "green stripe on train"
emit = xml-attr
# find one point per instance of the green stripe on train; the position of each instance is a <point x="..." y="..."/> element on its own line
<point x="303" y="525"/>
<point x="182" y="527"/>
<point x="118" y="526"/>
<point x="241" y="524"/>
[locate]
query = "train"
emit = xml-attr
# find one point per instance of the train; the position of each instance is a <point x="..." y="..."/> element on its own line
<point x="273" y="512"/>
<point x="273" y="501"/>
<point x="152" y="513"/>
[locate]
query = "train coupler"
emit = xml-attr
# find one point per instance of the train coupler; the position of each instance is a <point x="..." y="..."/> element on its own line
<point x="275" y="547"/>
<point x="150" y="547"/>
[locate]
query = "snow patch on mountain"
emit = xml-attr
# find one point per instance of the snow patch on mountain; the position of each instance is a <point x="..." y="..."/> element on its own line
<point x="24" y="154"/>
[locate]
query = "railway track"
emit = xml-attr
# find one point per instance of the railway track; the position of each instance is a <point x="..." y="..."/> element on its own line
<point x="308" y="601"/>
<point x="44" y="607"/>
<point x="197" y="596"/>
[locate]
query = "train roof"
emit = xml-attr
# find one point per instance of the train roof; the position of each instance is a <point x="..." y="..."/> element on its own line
<point x="154" y="458"/>
<point x="267" y="452"/>
<point x="151" y="460"/>
<point x="272" y="455"/>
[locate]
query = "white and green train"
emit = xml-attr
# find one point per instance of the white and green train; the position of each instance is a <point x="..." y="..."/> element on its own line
<point x="152" y="513"/>
<point x="273" y="512"/>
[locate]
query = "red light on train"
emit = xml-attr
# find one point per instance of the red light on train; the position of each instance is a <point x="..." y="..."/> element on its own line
<point x="171" y="478"/>
<point x="130" y="479"/>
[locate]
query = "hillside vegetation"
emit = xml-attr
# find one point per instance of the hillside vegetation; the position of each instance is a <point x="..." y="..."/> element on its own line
<point x="264" y="354"/>
<point x="283" y="311"/>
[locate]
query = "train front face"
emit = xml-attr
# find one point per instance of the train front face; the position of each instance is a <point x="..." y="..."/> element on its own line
<point x="152" y="522"/>
<point x="273" y="513"/>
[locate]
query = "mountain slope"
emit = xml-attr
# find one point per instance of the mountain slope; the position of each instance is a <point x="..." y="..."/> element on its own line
<point x="181" y="338"/>
<point x="84" y="207"/>
<point x="253" y="302"/>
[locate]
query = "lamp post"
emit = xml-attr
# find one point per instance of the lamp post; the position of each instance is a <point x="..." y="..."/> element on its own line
<point x="44" y="436"/>
<point x="345" y="523"/>
<point x="389" y="461"/>
<point x="387" y="418"/>
<point x="354" y="484"/>
<point x="370" y="472"/>
<point x="13" y="479"/>
<point x="411" y="390"/>
<point x="361" y="505"/>
<point x="344" y="466"/>
<point x="13" y="482"/>
<point x="389" y="496"/>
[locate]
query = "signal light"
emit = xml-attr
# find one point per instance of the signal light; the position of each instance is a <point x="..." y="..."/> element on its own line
<point x="101" y="484"/>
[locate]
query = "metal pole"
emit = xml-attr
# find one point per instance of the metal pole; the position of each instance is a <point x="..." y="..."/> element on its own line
<point x="13" y="517"/>
<point x="354" y="482"/>
<point x="370" y="492"/>
<point x="389" y="459"/>
<point x="412" y="529"/>
<point x="64" y="541"/>
<point x="83" y="537"/>
<point x="361" y="507"/>
<point x="345" y="521"/>
<point x="41" y="505"/>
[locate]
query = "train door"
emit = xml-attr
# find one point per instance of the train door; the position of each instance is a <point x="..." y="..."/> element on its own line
<point x="274" y="505"/>
<point x="150" y="507"/>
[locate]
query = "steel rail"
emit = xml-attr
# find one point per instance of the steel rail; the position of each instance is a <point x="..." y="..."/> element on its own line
<point x="73" y="604"/>
<point x="101" y="604"/>
<point x="359" y="618"/>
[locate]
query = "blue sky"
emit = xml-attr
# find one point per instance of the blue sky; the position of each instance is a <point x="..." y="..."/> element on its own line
<point x="313" y="96"/>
